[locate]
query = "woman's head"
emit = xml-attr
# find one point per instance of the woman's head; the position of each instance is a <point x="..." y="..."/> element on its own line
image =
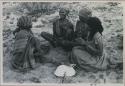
<point x="63" y="13"/>
<point x="84" y="14"/>
<point x="24" y="22"/>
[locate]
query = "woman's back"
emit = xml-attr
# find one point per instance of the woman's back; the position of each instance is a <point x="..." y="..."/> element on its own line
<point x="21" y="39"/>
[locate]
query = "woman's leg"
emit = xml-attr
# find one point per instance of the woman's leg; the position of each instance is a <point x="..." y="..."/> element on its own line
<point x="82" y="58"/>
<point x="49" y="37"/>
<point x="38" y="51"/>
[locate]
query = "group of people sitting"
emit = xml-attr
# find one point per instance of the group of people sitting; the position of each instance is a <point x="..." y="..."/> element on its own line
<point x="84" y="42"/>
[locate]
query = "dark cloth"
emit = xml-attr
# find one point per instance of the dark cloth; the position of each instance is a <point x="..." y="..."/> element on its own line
<point x="25" y="47"/>
<point x="81" y="30"/>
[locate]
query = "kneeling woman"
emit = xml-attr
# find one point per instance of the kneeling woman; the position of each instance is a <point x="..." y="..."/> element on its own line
<point x="91" y="55"/>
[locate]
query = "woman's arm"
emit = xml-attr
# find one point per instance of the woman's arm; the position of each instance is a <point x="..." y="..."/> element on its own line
<point x="77" y="30"/>
<point x="94" y="50"/>
<point x="54" y="29"/>
<point x="98" y="49"/>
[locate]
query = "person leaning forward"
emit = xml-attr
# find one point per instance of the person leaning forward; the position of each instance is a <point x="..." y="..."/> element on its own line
<point x="92" y="55"/>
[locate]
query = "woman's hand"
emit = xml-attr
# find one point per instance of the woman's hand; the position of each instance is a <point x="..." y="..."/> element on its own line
<point x="80" y="41"/>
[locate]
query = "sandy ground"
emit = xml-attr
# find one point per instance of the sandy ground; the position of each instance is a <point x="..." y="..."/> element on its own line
<point x="113" y="35"/>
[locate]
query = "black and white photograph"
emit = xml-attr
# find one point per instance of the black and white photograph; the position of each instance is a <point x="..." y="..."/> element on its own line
<point x="62" y="42"/>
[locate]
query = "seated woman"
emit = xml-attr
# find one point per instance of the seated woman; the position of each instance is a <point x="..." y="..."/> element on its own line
<point x="91" y="56"/>
<point x="62" y="31"/>
<point x="26" y="46"/>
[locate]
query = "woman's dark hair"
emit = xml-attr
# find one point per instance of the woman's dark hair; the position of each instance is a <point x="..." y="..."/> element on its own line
<point x="24" y="22"/>
<point x="95" y="24"/>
